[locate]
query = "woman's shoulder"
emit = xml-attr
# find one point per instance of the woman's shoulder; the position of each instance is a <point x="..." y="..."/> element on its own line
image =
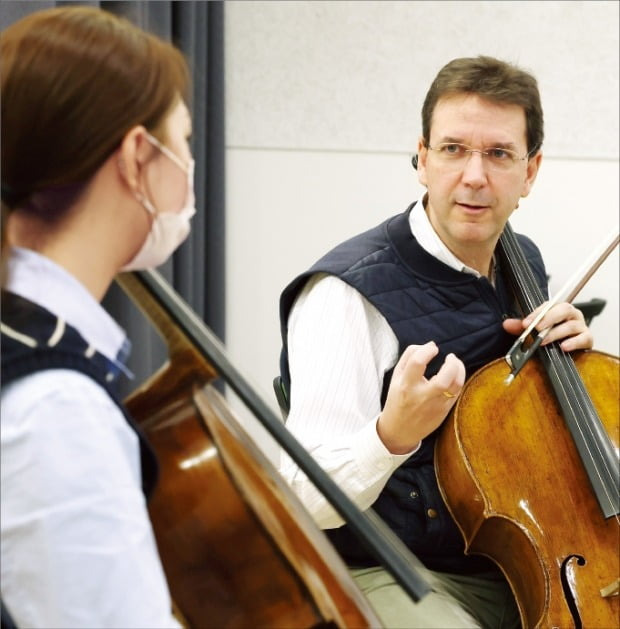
<point x="64" y="397"/>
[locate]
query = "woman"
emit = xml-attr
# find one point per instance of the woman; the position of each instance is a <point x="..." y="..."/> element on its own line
<point x="97" y="177"/>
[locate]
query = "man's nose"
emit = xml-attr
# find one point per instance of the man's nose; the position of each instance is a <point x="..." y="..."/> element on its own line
<point x="474" y="171"/>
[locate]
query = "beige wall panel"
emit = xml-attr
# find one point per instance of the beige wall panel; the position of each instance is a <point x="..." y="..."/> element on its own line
<point x="353" y="75"/>
<point x="323" y="107"/>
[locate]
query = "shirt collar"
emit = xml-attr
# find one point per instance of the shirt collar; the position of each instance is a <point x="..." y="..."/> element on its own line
<point x="428" y="239"/>
<point x="35" y="277"/>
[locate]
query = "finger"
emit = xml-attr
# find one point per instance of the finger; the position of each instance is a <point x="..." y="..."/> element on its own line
<point x="461" y="371"/>
<point x="564" y="329"/>
<point x="527" y="320"/>
<point x="413" y="362"/>
<point x="571" y="334"/>
<point x="585" y="340"/>
<point x="513" y="326"/>
<point x="557" y="314"/>
<point x="536" y="310"/>
<point x="450" y="377"/>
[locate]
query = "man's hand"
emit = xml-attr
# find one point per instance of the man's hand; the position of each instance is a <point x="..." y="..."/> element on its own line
<point x="415" y="406"/>
<point x="566" y="322"/>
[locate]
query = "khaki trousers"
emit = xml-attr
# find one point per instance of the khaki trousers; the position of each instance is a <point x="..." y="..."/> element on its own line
<point x="455" y="602"/>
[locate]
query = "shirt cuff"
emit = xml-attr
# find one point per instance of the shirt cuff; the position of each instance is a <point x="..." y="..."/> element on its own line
<point x="372" y="457"/>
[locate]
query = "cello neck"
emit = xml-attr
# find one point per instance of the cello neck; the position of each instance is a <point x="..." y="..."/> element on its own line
<point x="169" y="315"/>
<point x="520" y="275"/>
<point x="183" y="330"/>
<point x="591" y="440"/>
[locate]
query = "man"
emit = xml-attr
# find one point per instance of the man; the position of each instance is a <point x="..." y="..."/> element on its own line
<point x="380" y="334"/>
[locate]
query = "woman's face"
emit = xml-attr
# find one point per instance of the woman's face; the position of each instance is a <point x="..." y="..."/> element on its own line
<point x="165" y="181"/>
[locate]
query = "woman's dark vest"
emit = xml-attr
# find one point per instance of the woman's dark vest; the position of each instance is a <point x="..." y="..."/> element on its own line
<point x="68" y="351"/>
<point x="422" y="299"/>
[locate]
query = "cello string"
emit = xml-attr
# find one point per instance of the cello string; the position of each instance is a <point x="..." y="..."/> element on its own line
<point x="371" y="531"/>
<point x="579" y="404"/>
<point x="567" y="379"/>
<point x="589" y="440"/>
<point x="583" y="399"/>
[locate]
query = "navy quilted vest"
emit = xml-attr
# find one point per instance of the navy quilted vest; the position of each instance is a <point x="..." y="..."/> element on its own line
<point x="422" y="299"/>
<point x="70" y="351"/>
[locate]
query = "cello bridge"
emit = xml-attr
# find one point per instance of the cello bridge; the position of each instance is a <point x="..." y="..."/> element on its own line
<point x="613" y="589"/>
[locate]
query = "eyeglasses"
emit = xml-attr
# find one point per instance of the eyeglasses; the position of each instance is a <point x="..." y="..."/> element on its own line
<point x="453" y="155"/>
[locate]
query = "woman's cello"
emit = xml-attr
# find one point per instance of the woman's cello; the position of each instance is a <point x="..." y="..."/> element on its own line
<point x="529" y="472"/>
<point x="238" y="548"/>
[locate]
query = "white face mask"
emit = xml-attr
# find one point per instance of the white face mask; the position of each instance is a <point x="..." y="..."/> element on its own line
<point x="168" y="229"/>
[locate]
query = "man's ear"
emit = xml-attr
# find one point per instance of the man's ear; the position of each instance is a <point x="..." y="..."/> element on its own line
<point x="421" y="166"/>
<point x="533" y="165"/>
<point x="133" y="153"/>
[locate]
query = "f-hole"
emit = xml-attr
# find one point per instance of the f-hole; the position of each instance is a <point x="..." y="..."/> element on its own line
<point x="569" y="595"/>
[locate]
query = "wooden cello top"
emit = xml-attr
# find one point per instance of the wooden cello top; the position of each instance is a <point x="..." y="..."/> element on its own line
<point x="529" y="473"/>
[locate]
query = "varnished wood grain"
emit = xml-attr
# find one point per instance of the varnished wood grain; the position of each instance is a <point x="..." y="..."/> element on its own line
<point x="513" y="480"/>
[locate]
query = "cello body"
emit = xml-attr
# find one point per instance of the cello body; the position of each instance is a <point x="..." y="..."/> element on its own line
<point x="238" y="549"/>
<point x="514" y="482"/>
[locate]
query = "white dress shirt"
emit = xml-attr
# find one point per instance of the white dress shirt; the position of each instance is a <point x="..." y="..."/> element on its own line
<point x="339" y="349"/>
<point x="77" y="545"/>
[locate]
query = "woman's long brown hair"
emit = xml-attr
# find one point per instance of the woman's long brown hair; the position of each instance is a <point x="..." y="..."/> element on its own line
<point x="74" y="81"/>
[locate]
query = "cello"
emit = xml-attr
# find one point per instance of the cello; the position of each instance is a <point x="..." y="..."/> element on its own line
<point x="238" y="548"/>
<point x="529" y="471"/>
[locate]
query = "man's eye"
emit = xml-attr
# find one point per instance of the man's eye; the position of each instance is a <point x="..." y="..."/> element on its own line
<point x="499" y="154"/>
<point x="452" y="149"/>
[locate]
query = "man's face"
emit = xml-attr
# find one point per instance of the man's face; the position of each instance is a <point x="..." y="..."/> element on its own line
<point x="469" y="205"/>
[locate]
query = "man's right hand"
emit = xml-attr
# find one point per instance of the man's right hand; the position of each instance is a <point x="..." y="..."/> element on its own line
<point x="415" y="406"/>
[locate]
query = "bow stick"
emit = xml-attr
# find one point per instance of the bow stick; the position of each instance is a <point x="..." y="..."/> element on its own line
<point x="517" y="356"/>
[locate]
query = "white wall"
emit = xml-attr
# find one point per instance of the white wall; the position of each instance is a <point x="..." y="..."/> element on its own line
<point x="323" y="107"/>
